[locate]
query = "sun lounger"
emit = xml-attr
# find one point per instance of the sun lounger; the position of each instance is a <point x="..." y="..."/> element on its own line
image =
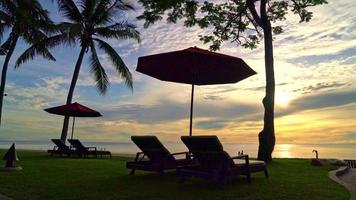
<point x="154" y="156"/>
<point x="60" y="149"/>
<point x="84" y="151"/>
<point x="215" y="163"/>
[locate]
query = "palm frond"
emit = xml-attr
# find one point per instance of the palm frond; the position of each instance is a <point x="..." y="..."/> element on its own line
<point x="119" y="31"/>
<point x="69" y="10"/>
<point x="5" y="17"/>
<point x="105" y="15"/>
<point x="26" y="16"/>
<point x="119" y="64"/>
<point x="123" y="5"/>
<point x="40" y="42"/>
<point x="57" y="40"/>
<point x="101" y="14"/>
<point x="88" y="8"/>
<point x="32" y="52"/>
<point x="9" y="6"/>
<point x="47" y="27"/>
<point x="98" y="71"/>
<point x="34" y="36"/>
<point x="73" y="30"/>
<point x="36" y="10"/>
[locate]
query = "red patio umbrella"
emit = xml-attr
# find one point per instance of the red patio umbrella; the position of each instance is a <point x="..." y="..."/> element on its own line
<point x="73" y="110"/>
<point x="194" y="66"/>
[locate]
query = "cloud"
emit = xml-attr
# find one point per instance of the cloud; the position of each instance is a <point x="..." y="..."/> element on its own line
<point x="320" y="101"/>
<point x="350" y="136"/>
<point x="211" y="124"/>
<point x="48" y="91"/>
<point x="322" y="86"/>
<point x="261" y="88"/>
<point x="312" y="60"/>
<point x="166" y="111"/>
<point x="213" y="97"/>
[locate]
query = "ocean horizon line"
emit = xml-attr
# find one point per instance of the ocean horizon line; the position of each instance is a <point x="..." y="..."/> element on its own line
<point x="338" y="151"/>
<point x="169" y="142"/>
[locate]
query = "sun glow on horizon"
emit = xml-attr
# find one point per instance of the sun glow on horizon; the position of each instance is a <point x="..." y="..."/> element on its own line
<point x="283" y="99"/>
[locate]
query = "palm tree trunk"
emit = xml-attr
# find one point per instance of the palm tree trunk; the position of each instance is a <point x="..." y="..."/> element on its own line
<point x="4" y="71"/>
<point x="71" y="91"/>
<point x="267" y="138"/>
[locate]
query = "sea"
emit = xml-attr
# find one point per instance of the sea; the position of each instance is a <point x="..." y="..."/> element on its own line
<point x="327" y="151"/>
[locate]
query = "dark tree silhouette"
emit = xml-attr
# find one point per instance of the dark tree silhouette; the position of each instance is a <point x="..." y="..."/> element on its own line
<point x="90" y="22"/>
<point x="26" y="20"/>
<point x="244" y="22"/>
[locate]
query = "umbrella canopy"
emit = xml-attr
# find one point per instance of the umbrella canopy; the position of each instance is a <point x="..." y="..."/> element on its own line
<point x="194" y="66"/>
<point x="73" y="110"/>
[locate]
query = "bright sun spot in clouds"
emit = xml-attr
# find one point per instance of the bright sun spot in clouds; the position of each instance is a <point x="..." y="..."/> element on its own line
<point x="282" y="99"/>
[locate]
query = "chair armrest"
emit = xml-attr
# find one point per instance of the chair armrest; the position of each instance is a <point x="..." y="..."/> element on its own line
<point x="178" y="153"/>
<point x="187" y="154"/>
<point x="247" y="161"/>
<point x="88" y="148"/>
<point x="138" y="156"/>
<point x="239" y="157"/>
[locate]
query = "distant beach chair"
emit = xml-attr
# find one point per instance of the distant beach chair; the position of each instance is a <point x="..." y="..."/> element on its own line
<point x="154" y="156"/>
<point x="84" y="151"/>
<point x="215" y="163"/>
<point x="60" y="148"/>
<point x="351" y="163"/>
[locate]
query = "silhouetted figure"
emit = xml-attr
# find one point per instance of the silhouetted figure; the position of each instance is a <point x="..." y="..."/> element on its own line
<point x="316" y="161"/>
<point x="316" y="154"/>
<point x="10" y="158"/>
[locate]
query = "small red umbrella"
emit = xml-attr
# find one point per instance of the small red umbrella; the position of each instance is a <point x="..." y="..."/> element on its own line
<point x="194" y="66"/>
<point x="73" y="110"/>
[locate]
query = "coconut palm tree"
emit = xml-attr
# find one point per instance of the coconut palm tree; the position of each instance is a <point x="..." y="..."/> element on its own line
<point x="89" y="23"/>
<point x="26" y="20"/>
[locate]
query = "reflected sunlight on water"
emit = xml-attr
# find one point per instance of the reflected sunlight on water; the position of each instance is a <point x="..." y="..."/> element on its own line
<point x="284" y="150"/>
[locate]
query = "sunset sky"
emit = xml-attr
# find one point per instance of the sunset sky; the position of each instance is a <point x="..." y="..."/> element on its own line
<point x="315" y="70"/>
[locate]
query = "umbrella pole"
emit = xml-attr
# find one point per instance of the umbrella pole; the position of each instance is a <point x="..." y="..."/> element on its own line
<point x="73" y="127"/>
<point x="191" y="111"/>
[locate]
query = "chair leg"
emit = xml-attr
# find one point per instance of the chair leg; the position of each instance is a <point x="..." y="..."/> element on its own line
<point x="266" y="173"/>
<point x="249" y="178"/>
<point x="161" y="172"/>
<point x="182" y="179"/>
<point x="132" y="172"/>
<point x="222" y="182"/>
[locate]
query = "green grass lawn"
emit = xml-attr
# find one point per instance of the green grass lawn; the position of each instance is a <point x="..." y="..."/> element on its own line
<point x="44" y="177"/>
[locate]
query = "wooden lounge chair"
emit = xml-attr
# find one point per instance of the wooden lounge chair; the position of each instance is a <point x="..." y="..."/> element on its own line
<point x="154" y="156"/>
<point x="84" y="151"/>
<point x="60" y="148"/>
<point x="215" y="163"/>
